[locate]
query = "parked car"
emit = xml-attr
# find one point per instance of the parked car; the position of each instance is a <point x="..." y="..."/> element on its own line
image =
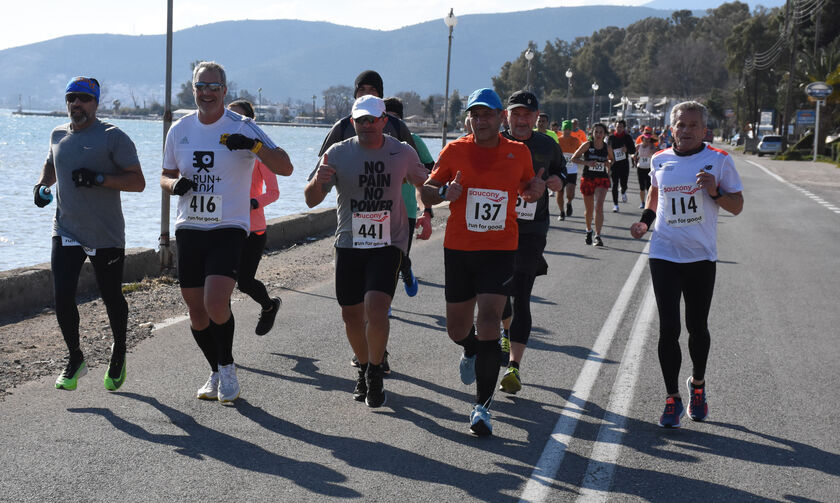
<point x="769" y="144"/>
<point x="735" y="140"/>
<point x="710" y="136"/>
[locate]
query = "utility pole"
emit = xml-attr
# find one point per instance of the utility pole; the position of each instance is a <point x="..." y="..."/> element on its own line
<point x="789" y="15"/>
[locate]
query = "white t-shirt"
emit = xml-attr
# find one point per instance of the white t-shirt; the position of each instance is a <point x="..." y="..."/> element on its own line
<point x="222" y="198"/>
<point x="686" y="216"/>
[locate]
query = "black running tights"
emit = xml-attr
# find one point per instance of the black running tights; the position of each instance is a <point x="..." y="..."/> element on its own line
<point x="405" y="265"/>
<point x="247" y="282"/>
<point x="619" y="173"/>
<point x="520" y="327"/>
<point x="695" y="282"/>
<point x="66" y="263"/>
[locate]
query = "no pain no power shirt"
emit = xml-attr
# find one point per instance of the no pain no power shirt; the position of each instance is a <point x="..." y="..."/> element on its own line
<point x="371" y="212"/>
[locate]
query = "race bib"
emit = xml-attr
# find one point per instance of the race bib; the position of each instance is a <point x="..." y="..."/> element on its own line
<point x="371" y="229"/>
<point x="599" y="167"/>
<point x="683" y="205"/>
<point x="204" y="207"/>
<point x="644" y="162"/>
<point x="524" y="209"/>
<point x="620" y="155"/>
<point x="486" y="210"/>
<point x="90" y="252"/>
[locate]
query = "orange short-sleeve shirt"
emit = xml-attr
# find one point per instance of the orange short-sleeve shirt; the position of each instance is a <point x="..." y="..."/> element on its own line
<point x="485" y="172"/>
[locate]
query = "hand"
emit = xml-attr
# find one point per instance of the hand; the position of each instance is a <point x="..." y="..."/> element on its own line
<point x="706" y="180"/>
<point x="84" y="177"/>
<point x="325" y="172"/>
<point x="239" y="142"/>
<point x="183" y="185"/>
<point x="424" y="222"/>
<point x="554" y="183"/>
<point x="254" y="204"/>
<point x="535" y="188"/>
<point x="41" y="201"/>
<point x="455" y="188"/>
<point x="638" y="229"/>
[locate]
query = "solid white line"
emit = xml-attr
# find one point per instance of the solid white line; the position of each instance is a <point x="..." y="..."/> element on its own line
<point x="549" y="463"/>
<point x="169" y="322"/>
<point x="817" y="199"/>
<point x="599" y="475"/>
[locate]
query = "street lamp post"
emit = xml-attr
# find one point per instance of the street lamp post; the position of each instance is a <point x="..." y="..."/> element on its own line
<point x="259" y="101"/>
<point x="529" y="55"/>
<point x="313" y="107"/>
<point x="612" y="96"/>
<point x="450" y="21"/>
<point x="568" y="91"/>
<point x="592" y="117"/>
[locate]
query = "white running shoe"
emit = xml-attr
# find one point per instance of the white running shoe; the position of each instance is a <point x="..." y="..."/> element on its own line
<point x="623" y="198"/>
<point x="615" y="209"/>
<point x="228" y="383"/>
<point x="210" y="390"/>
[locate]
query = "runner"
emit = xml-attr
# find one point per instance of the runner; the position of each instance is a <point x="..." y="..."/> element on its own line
<point x="542" y="126"/>
<point x="689" y="183"/>
<point x="533" y="223"/>
<point x="623" y="147"/>
<point x="579" y="133"/>
<point x="569" y="145"/>
<point x="372" y="233"/>
<point x="91" y="162"/>
<point x="208" y="160"/>
<point x="255" y="244"/>
<point x="596" y="157"/>
<point x="644" y="151"/>
<point x="481" y="175"/>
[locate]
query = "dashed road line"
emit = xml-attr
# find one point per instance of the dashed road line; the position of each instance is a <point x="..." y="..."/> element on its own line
<point x="822" y="202"/>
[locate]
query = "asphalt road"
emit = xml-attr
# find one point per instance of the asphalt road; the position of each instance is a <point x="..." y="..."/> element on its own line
<point x="582" y="428"/>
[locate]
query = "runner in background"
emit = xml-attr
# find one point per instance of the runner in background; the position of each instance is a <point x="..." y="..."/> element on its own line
<point x="596" y="157"/>
<point x="623" y="148"/>
<point x="569" y="145"/>
<point x="542" y="126"/>
<point x="644" y="151"/>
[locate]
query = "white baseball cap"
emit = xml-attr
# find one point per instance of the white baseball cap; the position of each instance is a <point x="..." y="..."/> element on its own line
<point x="368" y="105"/>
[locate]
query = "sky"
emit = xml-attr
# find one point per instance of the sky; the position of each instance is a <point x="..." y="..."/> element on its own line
<point x="39" y="20"/>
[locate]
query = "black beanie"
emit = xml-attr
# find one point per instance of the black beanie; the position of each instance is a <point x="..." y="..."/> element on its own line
<point x="370" y="78"/>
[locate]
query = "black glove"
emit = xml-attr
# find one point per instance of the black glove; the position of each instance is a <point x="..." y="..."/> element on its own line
<point x="254" y="203"/>
<point x="183" y="185"/>
<point x="239" y="142"/>
<point x="84" y="177"/>
<point x="41" y="201"/>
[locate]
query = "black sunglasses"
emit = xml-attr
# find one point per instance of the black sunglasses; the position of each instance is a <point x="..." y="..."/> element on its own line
<point x="366" y="119"/>
<point x="212" y="86"/>
<point x="84" y="98"/>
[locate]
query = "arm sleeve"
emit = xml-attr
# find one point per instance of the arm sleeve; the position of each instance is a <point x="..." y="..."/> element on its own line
<point x="272" y="191"/>
<point x="170" y="163"/>
<point x="558" y="164"/>
<point x="423" y="151"/>
<point x="730" y="181"/>
<point x="442" y="171"/>
<point x="334" y="136"/>
<point x="251" y="126"/>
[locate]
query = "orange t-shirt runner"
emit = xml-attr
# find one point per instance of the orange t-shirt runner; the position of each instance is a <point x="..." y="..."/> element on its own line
<point x="491" y="178"/>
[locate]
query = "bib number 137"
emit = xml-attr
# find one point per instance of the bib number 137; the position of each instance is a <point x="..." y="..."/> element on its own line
<point x="486" y="209"/>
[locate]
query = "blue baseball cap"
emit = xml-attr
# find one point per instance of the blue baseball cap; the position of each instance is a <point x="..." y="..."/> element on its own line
<point x="86" y="85"/>
<point x="485" y="97"/>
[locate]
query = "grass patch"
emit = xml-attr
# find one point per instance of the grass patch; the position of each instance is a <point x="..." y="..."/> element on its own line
<point x="148" y="284"/>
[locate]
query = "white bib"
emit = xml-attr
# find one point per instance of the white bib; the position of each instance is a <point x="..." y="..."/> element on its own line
<point x="599" y="167"/>
<point x="486" y="210"/>
<point x="684" y="205"/>
<point x="524" y="209"/>
<point x="371" y="229"/>
<point x="204" y="207"/>
<point x="619" y="155"/>
<point x="644" y="162"/>
<point x="90" y="252"/>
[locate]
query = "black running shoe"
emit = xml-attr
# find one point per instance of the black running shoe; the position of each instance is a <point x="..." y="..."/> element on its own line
<point x="360" y="392"/>
<point x="589" y="237"/>
<point x="598" y="241"/>
<point x="375" y="388"/>
<point x="266" y="320"/>
<point x="568" y="209"/>
<point x="386" y="369"/>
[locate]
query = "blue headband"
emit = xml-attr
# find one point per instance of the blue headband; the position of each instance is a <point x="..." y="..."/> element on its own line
<point x="87" y="85"/>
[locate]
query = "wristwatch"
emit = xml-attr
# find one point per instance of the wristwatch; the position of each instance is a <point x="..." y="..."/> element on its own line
<point x="99" y="179"/>
<point x="718" y="196"/>
<point x="442" y="190"/>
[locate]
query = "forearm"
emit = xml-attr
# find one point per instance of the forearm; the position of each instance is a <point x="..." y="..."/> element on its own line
<point x="168" y="179"/>
<point x="314" y="193"/>
<point x="733" y="203"/>
<point x="47" y="175"/>
<point x="277" y="160"/>
<point x="429" y="193"/>
<point x="131" y="180"/>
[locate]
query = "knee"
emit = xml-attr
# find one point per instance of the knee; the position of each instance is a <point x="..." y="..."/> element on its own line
<point x="352" y="315"/>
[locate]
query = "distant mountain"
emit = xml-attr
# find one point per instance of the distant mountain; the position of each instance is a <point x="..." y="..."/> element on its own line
<point x="298" y="59"/>
<point x="703" y="5"/>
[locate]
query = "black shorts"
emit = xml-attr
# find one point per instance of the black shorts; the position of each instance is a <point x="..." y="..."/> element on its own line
<point x="469" y="273"/>
<point x="571" y="179"/>
<point x="529" y="256"/>
<point x="358" y="271"/>
<point x="208" y="253"/>
<point x="644" y="178"/>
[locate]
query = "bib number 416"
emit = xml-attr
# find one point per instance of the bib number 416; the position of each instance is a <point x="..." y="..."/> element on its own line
<point x="202" y="204"/>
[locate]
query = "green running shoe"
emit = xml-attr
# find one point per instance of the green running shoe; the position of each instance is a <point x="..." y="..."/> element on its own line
<point x="511" y="382"/>
<point x="69" y="377"/>
<point x="115" y="376"/>
<point x="504" y="342"/>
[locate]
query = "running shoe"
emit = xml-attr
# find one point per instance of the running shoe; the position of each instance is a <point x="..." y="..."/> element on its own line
<point x="210" y="390"/>
<point x="588" y="237"/>
<point x="504" y="343"/>
<point x="480" y="421"/>
<point x="375" y="389"/>
<point x="674" y="410"/>
<point x="115" y="376"/>
<point x="228" y="383"/>
<point x="467" y="368"/>
<point x="69" y="377"/>
<point x="698" y="409"/>
<point x="360" y="391"/>
<point x="386" y="369"/>
<point x="266" y="320"/>
<point x="623" y="198"/>
<point x="354" y="362"/>
<point x="411" y="284"/>
<point x="598" y="241"/>
<point x="511" y="383"/>
<point x="641" y="206"/>
<point x="615" y="208"/>
<point x="562" y="216"/>
<point x="568" y="209"/>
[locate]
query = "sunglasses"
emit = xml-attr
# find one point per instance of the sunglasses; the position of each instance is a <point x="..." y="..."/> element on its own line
<point x="210" y="86"/>
<point x="366" y="119"/>
<point x="84" y="98"/>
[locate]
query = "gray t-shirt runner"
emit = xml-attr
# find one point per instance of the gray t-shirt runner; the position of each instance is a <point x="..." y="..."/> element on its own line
<point x="371" y="212"/>
<point x="92" y="216"/>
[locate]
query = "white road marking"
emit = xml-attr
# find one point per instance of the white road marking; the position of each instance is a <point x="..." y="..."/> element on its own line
<point x="822" y="202"/>
<point x="169" y="322"/>
<point x="542" y="477"/>
<point x="599" y="474"/>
